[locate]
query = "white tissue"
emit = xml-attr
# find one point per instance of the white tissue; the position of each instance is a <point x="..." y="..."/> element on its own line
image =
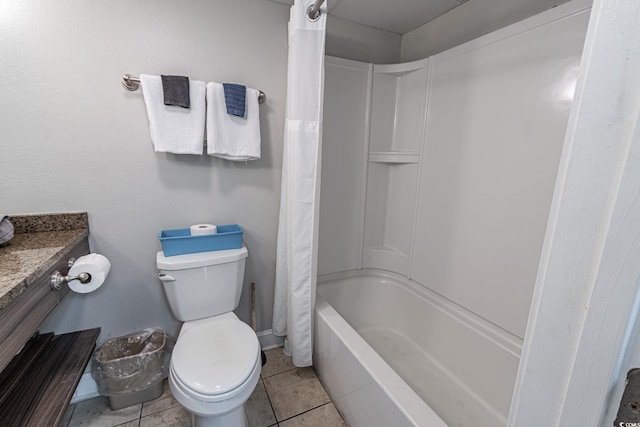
<point x="96" y="265"/>
<point x="203" y="229"/>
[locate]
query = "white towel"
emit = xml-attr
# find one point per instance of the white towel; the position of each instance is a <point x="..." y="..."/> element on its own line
<point x="175" y="129"/>
<point x="228" y="136"/>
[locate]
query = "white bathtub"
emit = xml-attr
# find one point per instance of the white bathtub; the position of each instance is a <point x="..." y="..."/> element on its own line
<point x="392" y="353"/>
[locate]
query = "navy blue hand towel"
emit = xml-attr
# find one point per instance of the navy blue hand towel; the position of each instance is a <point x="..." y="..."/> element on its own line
<point x="176" y="91"/>
<point x="235" y="97"/>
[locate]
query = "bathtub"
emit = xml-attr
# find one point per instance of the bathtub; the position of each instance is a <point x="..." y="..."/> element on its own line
<point x="392" y="353"/>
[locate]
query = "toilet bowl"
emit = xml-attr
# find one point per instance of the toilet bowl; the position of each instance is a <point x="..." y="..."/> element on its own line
<point x="214" y="368"/>
<point x="215" y="363"/>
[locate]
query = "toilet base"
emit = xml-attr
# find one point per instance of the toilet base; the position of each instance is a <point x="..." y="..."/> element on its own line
<point x="235" y="418"/>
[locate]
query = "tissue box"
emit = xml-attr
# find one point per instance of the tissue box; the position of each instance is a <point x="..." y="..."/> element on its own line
<point x="180" y="241"/>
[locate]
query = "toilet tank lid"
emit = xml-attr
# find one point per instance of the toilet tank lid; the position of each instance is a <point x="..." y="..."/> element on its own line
<point x="200" y="259"/>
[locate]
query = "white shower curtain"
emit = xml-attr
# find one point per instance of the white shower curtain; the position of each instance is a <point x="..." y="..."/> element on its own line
<point x="296" y="263"/>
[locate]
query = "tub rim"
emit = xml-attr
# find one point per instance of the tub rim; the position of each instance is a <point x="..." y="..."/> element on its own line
<point x="496" y="334"/>
<point x="405" y="399"/>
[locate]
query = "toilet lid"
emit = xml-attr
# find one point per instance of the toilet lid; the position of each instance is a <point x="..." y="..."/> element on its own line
<point x="216" y="357"/>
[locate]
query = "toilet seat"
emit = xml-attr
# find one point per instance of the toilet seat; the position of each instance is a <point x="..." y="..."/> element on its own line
<point x="211" y="360"/>
<point x="208" y="404"/>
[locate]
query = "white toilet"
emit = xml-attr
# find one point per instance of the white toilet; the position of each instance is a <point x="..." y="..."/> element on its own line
<point x="215" y="364"/>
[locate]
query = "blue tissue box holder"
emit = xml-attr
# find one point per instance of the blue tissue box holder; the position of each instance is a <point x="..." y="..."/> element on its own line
<point x="180" y="241"/>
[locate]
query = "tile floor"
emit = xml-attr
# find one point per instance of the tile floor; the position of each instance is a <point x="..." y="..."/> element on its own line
<point x="285" y="396"/>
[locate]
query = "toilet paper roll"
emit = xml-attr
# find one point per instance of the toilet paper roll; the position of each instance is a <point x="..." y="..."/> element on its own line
<point x="96" y="265"/>
<point x="202" y="229"/>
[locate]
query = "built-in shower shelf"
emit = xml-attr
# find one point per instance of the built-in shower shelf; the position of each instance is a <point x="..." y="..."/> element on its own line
<point x="394" y="157"/>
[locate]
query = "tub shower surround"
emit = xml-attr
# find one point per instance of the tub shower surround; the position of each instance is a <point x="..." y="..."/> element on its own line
<point x="439" y="179"/>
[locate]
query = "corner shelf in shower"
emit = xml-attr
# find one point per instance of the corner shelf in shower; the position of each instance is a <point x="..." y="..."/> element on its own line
<point x="394" y="157"/>
<point x="397" y="121"/>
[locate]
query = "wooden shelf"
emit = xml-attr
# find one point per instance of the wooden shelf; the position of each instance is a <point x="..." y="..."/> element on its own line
<point x="37" y="385"/>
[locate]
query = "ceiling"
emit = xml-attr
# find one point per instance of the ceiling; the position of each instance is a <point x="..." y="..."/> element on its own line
<point x="386" y="15"/>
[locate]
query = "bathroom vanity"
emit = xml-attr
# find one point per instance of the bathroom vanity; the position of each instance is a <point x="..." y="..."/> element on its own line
<point x="37" y="366"/>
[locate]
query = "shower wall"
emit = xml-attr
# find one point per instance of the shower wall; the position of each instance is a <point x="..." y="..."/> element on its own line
<point x="443" y="169"/>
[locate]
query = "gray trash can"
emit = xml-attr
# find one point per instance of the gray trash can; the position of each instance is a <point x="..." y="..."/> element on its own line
<point x="130" y="369"/>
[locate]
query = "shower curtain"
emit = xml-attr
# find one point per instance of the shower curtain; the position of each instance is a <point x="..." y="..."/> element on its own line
<point x="296" y="258"/>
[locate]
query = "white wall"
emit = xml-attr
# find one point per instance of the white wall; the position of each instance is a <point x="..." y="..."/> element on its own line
<point x="467" y="22"/>
<point x="73" y="139"/>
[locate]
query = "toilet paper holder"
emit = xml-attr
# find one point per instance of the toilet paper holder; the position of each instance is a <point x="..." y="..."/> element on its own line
<point x="57" y="278"/>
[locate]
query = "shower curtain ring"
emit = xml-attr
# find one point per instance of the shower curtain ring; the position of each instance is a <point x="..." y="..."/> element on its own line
<point x="310" y="13"/>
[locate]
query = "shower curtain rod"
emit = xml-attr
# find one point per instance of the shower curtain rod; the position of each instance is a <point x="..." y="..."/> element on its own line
<point x="133" y="83"/>
<point x="313" y="12"/>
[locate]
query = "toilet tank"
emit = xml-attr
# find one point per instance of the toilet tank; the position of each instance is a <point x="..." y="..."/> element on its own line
<point x="204" y="284"/>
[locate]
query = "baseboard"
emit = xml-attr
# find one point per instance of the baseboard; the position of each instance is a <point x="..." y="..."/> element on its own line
<point x="88" y="389"/>
<point x="268" y="340"/>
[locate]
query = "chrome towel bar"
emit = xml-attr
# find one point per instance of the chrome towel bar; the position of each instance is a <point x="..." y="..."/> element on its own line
<point x="132" y="83"/>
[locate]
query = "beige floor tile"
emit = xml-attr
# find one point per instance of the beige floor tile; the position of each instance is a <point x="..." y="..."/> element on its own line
<point x="97" y="413"/>
<point x="258" y="408"/>
<point x="277" y="362"/>
<point x="295" y="391"/>
<point x="135" y="423"/>
<point x="324" y="416"/>
<point x="166" y="401"/>
<point x="174" y="417"/>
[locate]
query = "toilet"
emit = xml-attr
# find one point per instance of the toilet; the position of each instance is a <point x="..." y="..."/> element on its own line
<point x="215" y="364"/>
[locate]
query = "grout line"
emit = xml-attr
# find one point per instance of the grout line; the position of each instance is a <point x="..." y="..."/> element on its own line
<point x="273" y="411"/>
<point x="139" y="414"/>
<point x="278" y="373"/>
<point x="157" y="411"/>
<point x="304" y="412"/>
<point x="126" y="422"/>
<point x="73" y="410"/>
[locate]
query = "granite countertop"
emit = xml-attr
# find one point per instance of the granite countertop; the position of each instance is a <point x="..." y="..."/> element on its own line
<point x="39" y="242"/>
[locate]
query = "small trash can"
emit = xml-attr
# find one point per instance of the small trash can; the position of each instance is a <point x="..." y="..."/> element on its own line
<point x="130" y="369"/>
